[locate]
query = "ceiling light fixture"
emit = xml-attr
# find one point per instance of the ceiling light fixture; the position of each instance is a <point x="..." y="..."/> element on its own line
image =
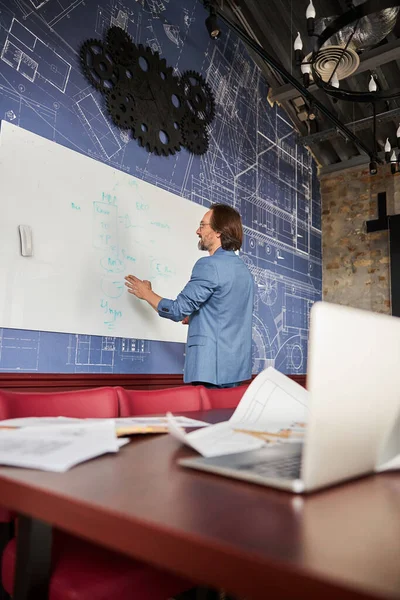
<point x="212" y="22"/>
<point x="292" y="80"/>
<point x="330" y="84"/>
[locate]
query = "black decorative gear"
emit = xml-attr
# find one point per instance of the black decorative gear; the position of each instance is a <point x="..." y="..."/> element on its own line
<point x="145" y="96"/>
<point x="156" y="133"/>
<point x="161" y="105"/>
<point x="158" y="85"/>
<point x="98" y="66"/>
<point x="194" y="134"/>
<point x="122" y="107"/>
<point x="128" y="76"/>
<point x="121" y="46"/>
<point x="198" y="95"/>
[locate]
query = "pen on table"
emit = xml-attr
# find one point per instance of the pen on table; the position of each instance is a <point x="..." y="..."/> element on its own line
<point x="133" y="429"/>
<point x="283" y="434"/>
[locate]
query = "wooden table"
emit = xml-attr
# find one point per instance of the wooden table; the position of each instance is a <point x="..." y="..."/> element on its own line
<point x="253" y="541"/>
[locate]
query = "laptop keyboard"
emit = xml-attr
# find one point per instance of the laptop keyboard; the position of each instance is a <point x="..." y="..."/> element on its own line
<point x="285" y="467"/>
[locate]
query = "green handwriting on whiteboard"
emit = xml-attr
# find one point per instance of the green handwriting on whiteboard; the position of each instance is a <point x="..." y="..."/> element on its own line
<point x="112" y="264"/>
<point x="112" y="288"/>
<point x="162" y="268"/>
<point x="160" y="225"/>
<point x="126" y="221"/>
<point x="127" y="256"/>
<point x="110" y="314"/>
<point x="100" y="210"/>
<point x="75" y="206"/>
<point x="110" y="199"/>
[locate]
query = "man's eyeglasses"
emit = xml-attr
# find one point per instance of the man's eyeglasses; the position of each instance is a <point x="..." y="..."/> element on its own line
<point x="202" y="225"/>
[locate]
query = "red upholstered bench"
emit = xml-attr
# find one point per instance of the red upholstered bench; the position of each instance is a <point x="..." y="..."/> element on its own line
<point x="224" y="397"/>
<point x="81" y="570"/>
<point x="146" y="402"/>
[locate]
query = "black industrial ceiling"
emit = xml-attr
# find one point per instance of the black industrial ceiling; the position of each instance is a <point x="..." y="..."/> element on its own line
<point x="274" y="25"/>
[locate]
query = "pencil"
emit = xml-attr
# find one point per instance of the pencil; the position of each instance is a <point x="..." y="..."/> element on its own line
<point x="284" y="433"/>
<point x="137" y="429"/>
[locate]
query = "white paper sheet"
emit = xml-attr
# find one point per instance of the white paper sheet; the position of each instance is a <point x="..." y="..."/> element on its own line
<point x="159" y="421"/>
<point x="390" y="465"/>
<point x="120" y="422"/>
<point x="41" y="421"/>
<point x="215" y="440"/>
<point x="272" y="402"/>
<point x="56" y="448"/>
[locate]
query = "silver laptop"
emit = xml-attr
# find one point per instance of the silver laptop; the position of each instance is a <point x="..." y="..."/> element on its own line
<point x="354" y="385"/>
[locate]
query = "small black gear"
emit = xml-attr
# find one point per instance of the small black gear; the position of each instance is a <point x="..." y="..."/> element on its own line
<point x="121" y="46"/>
<point x="122" y="107"/>
<point x="98" y="66"/>
<point x="194" y="134"/>
<point x="156" y="133"/>
<point x="198" y="95"/>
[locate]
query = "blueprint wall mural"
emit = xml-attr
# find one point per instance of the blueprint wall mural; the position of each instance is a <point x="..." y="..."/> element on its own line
<point x="253" y="163"/>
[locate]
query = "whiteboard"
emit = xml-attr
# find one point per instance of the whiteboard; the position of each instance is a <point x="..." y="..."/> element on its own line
<point x="91" y="225"/>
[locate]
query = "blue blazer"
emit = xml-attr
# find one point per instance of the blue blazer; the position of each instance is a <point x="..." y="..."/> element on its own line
<point x="219" y="301"/>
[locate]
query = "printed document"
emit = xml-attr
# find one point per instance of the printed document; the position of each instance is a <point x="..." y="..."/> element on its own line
<point x="273" y="409"/>
<point x="121" y="422"/>
<point x="56" y="448"/>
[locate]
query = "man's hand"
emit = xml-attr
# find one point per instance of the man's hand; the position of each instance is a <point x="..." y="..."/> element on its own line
<point x="137" y="287"/>
<point x="185" y="321"/>
<point x="142" y="290"/>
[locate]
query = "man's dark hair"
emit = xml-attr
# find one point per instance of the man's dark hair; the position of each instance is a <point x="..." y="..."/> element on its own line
<point x="227" y="221"/>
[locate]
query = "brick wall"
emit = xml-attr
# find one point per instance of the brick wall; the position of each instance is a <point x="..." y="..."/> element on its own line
<point x="356" y="264"/>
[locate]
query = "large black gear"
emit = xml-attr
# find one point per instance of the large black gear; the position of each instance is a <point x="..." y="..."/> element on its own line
<point x="121" y="46"/>
<point x="159" y="84"/>
<point x="198" y="95"/>
<point x="161" y="105"/>
<point x="194" y="134"/>
<point x="144" y="95"/>
<point x="156" y="134"/>
<point x="98" y="66"/>
<point x="122" y="107"/>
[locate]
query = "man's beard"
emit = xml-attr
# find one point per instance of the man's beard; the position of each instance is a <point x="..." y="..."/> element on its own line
<point x="201" y="245"/>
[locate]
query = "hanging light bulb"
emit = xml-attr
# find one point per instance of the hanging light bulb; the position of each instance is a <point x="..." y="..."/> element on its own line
<point x="372" y="84"/>
<point x="312" y="113"/>
<point x="388" y="148"/>
<point x="212" y="24"/>
<point x="298" y="42"/>
<point x="298" y="49"/>
<point x="398" y="136"/>
<point x="335" y="81"/>
<point x="373" y="167"/>
<point x="393" y="163"/>
<point x="310" y="16"/>
<point x="306" y="70"/>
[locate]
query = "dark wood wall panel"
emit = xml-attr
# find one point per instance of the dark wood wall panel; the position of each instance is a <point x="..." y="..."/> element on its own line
<point x="58" y="382"/>
<point x="394" y="231"/>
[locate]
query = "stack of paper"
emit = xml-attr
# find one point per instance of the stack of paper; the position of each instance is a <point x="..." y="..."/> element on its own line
<point x="273" y="409"/>
<point x="123" y="425"/>
<point x="57" y="447"/>
<point x="59" y="443"/>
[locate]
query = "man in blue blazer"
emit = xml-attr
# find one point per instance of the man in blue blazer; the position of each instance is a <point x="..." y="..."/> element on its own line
<point x="217" y="303"/>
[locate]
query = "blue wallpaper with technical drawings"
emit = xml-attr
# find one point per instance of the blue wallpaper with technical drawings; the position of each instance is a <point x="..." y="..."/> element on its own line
<point x="253" y="163"/>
